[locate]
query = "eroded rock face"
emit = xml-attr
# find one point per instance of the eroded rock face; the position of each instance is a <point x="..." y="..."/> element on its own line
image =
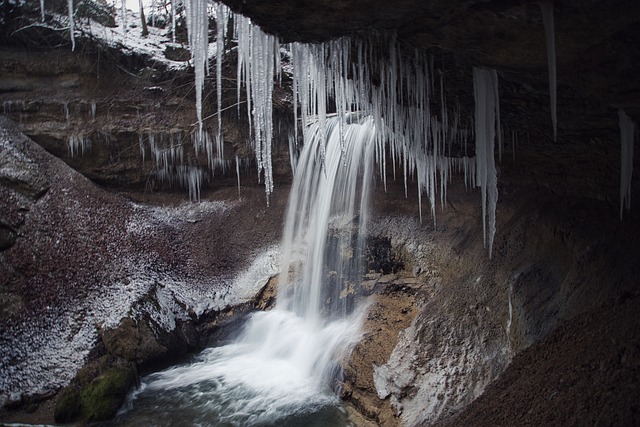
<point x="470" y="320"/>
<point x="116" y="119"/>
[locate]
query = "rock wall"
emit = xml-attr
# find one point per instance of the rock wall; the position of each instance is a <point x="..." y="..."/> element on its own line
<point x="453" y="322"/>
<point x="130" y="125"/>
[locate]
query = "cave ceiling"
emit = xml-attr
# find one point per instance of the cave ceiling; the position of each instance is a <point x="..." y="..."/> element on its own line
<point x="597" y="42"/>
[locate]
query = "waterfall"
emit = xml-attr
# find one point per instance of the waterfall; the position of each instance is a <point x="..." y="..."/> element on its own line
<point x="283" y="369"/>
<point x="327" y="208"/>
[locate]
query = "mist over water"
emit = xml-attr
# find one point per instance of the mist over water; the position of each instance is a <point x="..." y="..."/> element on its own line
<point x="284" y="367"/>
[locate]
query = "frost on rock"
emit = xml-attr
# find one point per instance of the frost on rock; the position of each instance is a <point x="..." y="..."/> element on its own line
<point x="247" y="284"/>
<point x="426" y="385"/>
<point x="42" y="353"/>
<point x="627" y="130"/>
<point x="485" y="84"/>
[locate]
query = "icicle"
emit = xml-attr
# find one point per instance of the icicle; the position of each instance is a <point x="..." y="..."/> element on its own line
<point x="78" y="144"/>
<point x="141" y="145"/>
<point x="94" y="108"/>
<point x="485" y="84"/>
<point x="198" y="28"/>
<point x="627" y="130"/>
<point x="42" y="9"/>
<point x="71" y="29"/>
<point x="496" y="95"/>
<point x="238" y="173"/>
<point x="222" y="17"/>
<point x="549" y="29"/>
<point x="123" y="4"/>
<point x="257" y="57"/>
<point x="173" y="21"/>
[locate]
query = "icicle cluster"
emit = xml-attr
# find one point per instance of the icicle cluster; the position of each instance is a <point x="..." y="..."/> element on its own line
<point x="222" y="18"/>
<point x="78" y="144"/>
<point x="338" y="76"/>
<point x="485" y="85"/>
<point x="198" y="24"/>
<point x="627" y="130"/>
<point x="341" y="72"/>
<point x="172" y="166"/>
<point x="258" y="66"/>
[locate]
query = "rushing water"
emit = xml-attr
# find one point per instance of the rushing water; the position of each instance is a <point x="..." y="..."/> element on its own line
<point x="283" y="369"/>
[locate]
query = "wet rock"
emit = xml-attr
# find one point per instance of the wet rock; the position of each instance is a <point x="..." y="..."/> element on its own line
<point x="177" y="53"/>
<point x="134" y="341"/>
<point x="266" y="298"/>
<point x="102" y="398"/>
<point x="95" y="398"/>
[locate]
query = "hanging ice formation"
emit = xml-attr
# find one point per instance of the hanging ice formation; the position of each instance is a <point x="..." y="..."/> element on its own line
<point x="123" y="8"/>
<point x="42" y="9"/>
<point x="413" y="135"/>
<point x="549" y="30"/>
<point x="71" y="29"/>
<point x="198" y="24"/>
<point x="258" y="64"/>
<point x="627" y="130"/>
<point x="78" y="144"/>
<point x="337" y="76"/>
<point x="222" y="18"/>
<point x="485" y="85"/>
<point x="173" y="21"/>
<point x="167" y="153"/>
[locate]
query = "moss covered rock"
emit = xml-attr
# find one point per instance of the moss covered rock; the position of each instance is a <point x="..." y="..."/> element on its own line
<point x="95" y="400"/>
<point x="101" y="399"/>
<point x="67" y="407"/>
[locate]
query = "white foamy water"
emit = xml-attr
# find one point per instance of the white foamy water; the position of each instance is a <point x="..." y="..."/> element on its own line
<point x="281" y="371"/>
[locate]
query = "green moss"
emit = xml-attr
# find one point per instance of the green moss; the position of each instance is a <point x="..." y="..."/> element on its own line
<point x="101" y="399"/>
<point x="67" y="405"/>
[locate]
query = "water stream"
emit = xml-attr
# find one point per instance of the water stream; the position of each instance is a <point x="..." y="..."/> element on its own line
<point x="284" y="367"/>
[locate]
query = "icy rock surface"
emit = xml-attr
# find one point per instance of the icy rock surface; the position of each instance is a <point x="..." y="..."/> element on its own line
<point x="88" y="253"/>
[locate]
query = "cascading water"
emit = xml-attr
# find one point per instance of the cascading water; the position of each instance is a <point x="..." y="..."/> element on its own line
<point x="284" y="366"/>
